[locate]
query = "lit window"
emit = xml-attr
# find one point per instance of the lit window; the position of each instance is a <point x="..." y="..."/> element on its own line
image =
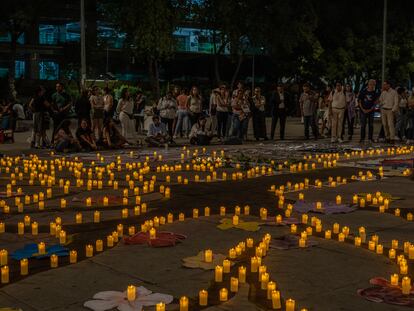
<point x="48" y="34"/>
<point x="48" y="70"/>
<point x="6" y="37"/>
<point x="20" y="68"/>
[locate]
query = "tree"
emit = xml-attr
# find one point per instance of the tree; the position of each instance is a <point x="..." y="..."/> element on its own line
<point x="16" y="18"/>
<point x="149" y="26"/>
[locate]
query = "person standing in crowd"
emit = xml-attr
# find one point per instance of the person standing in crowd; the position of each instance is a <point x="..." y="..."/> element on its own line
<point x="308" y="108"/>
<point x="259" y="114"/>
<point x="108" y="100"/>
<point x="247" y="107"/>
<point x="337" y="105"/>
<point x="212" y="109"/>
<point x="83" y="107"/>
<point x="389" y="107"/>
<point x="85" y="136"/>
<point x="239" y="117"/>
<point x="279" y="103"/>
<point x="39" y="106"/>
<point x="182" y="125"/>
<point x="239" y="87"/>
<point x="367" y="100"/>
<point x="220" y="101"/>
<point x="97" y="111"/>
<point x="125" y="109"/>
<point x="195" y="105"/>
<point x="349" y="116"/>
<point x="139" y="111"/>
<point x="401" y="124"/>
<point x="60" y="106"/>
<point x="167" y="107"/>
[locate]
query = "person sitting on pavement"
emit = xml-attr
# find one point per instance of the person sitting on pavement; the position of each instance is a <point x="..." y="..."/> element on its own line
<point x="112" y="138"/>
<point x="201" y="133"/>
<point x="64" y="140"/>
<point x="85" y="136"/>
<point x="157" y="133"/>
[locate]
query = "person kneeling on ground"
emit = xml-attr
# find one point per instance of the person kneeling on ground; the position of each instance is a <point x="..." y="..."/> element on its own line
<point x="85" y="136"/>
<point x="201" y="133"/>
<point x="64" y="140"/>
<point x="157" y="133"/>
<point x="112" y="138"/>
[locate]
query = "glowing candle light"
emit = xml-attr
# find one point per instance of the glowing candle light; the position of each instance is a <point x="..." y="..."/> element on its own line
<point x="357" y="241"/>
<point x="24" y="266"/>
<point x="99" y="245"/>
<point x="242" y="274"/>
<point x="110" y="241"/>
<point x="336" y="228"/>
<point x="203" y="297"/>
<point x="235" y="220"/>
<point x="3" y="257"/>
<point x="226" y="266"/>
<point x="96" y="217"/>
<point x="183" y="303"/>
<point x="394" y="279"/>
<point x="73" y="256"/>
<point x="379" y="249"/>
<point x="264" y="280"/>
<point x="208" y="255"/>
<point x="218" y="274"/>
<point x="62" y="237"/>
<point x="4" y="274"/>
<point x="153" y="233"/>
<point x="181" y="217"/>
<point x="234" y="285"/>
<point x="276" y="299"/>
<point x="89" y="250"/>
<point x="35" y="228"/>
<point x="371" y="245"/>
<point x="290" y="305"/>
<point x="223" y="294"/>
<point x="328" y="234"/>
<point x="20" y="228"/>
<point x="406" y="285"/>
<point x="131" y="293"/>
<point x="54" y="261"/>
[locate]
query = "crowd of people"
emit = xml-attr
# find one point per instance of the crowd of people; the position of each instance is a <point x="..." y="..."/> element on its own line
<point x="104" y="121"/>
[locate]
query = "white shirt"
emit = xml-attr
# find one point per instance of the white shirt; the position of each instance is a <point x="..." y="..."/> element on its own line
<point x="338" y="100"/>
<point x="389" y="100"/>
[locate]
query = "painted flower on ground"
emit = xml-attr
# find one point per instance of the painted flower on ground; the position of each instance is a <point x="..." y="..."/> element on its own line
<point x="163" y="239"/>
<point x="109" y="300"/>
<point x="199" y="262"/>
<point x="290" y="241"/>
<point x="327" y="208"/>
<point x="227" y="223"/>
<point x="384" y="292"/>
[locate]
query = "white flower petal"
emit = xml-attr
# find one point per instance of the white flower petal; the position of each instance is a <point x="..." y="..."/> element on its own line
<point x="100" y="305"/>
<point x="153" y="299"/>
<point x="130" y="306"/>
<point x="142" y="291"/>
<point x="110" y="295"/>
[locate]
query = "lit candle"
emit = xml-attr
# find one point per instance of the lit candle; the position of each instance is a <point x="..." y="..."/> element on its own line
<point x="406" y="285"/>
<point x="394" y="279"/>
<point x="73" y="256"/>
<point x="242" y="274"/>
<point x="160" y="306"/>
<point x="20" y="228"/>
<point x="249" y="242"/>
<point x="88" y="250"/>
<point x="341" y="237"/>
<point x="96" y="216"/>
<point x="302" y="242"/>
<point x="4" y="274"/>
<point x="206" y="211"/>
<point x="62" y="237"/>
<point x="78" y="218"/>
<point x="24" y="267"/>
<point x="379" y="249"/>
<point x="391" y="253"/>
<point x="183" y="303"/>
<point x="290" y="305"/>
<point x="218" y="274"/>
<point x="35" y="228"/>
<point x="276" y="300"/>
<point x="203" y="297"/>
<point x="110" y="241"/>
<point x="41" y="248"/>
<point x="62" y="203"/>
<point x="223" y="294"/>
<point x="222" y="211"/>
<point x="208" y="255"/>
<point x="336" y="228"/>
<point x="131" y="293"/>
<point x="226" y="266"/>
<point x="54" y="260"/>
<point x="338" y="200"/>
<point x="181" y="217"/>
<point x="235" y="220"/>
<point x="264" y="280"/>
<point x="328" y="234"/>
<point x="357" y="241"/>
<point x="234" y="284"/>
<point x="99" y="245"/>
<point x="153" y="234"/>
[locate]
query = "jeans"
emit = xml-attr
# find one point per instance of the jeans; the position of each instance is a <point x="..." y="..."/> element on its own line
<point x="62" y="145"/>
<point x="239" y="126"/>
<point x="310" y="121"/>
<point x="367" y="118"/>
<point x="182" y="123"/>
<point x="350" y="124"/>
<point x="222" y="119"/>
<point x="401" y="123"/>
<point x="281" y="115"/>
<point x="169" y="124"/>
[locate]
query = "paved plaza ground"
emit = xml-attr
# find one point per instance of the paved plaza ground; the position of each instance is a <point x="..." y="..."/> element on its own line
<point x="325" y="275"/>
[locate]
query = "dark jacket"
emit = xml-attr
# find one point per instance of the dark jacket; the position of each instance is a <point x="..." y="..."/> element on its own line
<point x="275" y="102"/>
